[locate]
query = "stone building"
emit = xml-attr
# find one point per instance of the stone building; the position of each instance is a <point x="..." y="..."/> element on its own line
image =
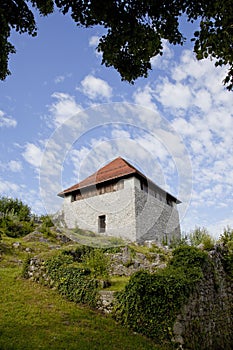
<point x="118" y="200"/>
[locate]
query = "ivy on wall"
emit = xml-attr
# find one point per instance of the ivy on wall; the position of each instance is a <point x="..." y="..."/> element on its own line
<point x="75" y="283"/>
<point x="150" y="302"/>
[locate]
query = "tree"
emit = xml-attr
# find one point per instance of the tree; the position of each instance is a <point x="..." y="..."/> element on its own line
<point x="15" y="217"/>
<point x="16" y="207"/>
<point x="135" y="29"/>
<point x="201" y="236"/>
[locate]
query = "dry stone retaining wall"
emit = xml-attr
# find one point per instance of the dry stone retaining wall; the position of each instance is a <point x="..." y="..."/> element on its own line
<point x="206" y="321"/>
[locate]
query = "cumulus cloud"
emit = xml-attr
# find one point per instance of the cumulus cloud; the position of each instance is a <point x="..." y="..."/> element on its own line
<point x="96" y="88"/>
<point x="7" y="121"/>
<point x="15" y="166"/>
<point x="93" y="42"/>
<point x="8" y="188"/>
<point x="170" y="95"/>
<point x="192" y="97"/>
<point x="63" y="108"/>
<point x="33" y="155"/>
<point x="164" y="60"/>
<point x="144" y="97"/>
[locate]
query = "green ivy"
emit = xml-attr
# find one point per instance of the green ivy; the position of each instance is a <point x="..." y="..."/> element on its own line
<point x="75" y="283"/>
<point x="150" y="302"/>
<point x="78" y="286"/>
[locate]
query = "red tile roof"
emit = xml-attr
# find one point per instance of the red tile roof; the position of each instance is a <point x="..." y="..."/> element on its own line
<point x="116" y="169"/>
<point x="113" y="170"/>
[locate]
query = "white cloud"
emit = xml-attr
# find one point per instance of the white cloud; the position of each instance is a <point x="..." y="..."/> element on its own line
<point x="96" y="88"/>
<point x="63" y="108"/>
<point x="59" y="79"/>
<point x="94" y="41"/>
<point x="33" y="155"/>
<point x="144" y="97"/>
<point x="163" y="61"/>
<point x="7" y="121"/>
<point x="15" y="166"/>
<point x="173" y="95"/>
<point x="8" y="188"/>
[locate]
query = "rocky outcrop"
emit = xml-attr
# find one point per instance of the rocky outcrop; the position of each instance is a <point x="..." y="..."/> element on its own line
<point x="127" y="262"/>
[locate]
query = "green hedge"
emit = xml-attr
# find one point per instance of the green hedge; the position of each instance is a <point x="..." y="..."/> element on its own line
<point x="150" y="302"/>
<point x="75" y="283"/>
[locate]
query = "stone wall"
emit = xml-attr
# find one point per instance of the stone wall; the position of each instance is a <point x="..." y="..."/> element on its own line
<point x="206" y="321"/>
<point x="155" y="220"/>
<point x="203" y="323"/>
<point x="131" y="214"/>
<point x="117" y="206"/>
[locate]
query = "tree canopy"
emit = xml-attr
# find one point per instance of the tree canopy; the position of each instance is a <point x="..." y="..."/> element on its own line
<point x="134" y="29"/>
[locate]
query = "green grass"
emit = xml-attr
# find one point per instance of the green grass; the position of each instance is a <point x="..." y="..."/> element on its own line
<point x="118" y="283"/>
<point x="93" y="239"/>
<point x="35" y="317"/>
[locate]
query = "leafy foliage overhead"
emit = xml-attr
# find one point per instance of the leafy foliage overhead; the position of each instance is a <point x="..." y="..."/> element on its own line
<point x="135" y="29"/>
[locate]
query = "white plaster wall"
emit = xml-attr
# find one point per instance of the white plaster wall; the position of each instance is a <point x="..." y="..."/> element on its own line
<point x="119" y="208"/>
<point x="131" y="214"/>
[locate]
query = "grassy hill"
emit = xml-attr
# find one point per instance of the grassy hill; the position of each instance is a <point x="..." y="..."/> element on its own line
<point x="36" y="317"/>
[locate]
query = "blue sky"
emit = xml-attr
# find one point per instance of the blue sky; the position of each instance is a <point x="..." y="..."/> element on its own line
<point x="63" y="115"/>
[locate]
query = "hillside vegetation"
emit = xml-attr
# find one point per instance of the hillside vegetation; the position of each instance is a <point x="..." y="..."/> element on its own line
<point x="150" y="284"/>
<point x="36" y="317"/>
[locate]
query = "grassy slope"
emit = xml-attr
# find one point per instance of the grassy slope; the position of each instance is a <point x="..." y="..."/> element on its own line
<point x="35" y="317"/>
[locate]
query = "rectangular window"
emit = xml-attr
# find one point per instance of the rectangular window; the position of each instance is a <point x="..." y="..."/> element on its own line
<point x="169" y="200"/>
<point x="144" y="186"/>
<point x="102" y="223"/>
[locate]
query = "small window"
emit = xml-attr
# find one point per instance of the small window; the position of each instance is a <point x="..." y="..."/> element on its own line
<point x="102" y="223"/>
<point x="144" y="186"/>
<point x="169" y="200"/>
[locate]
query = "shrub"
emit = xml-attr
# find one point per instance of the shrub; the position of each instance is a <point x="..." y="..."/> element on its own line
<point x="15" y="207"/>
<point x="188" y="258"/>
<point x="13" y="227"/>
<point x="177" y="242"/>
<point x="46" y="221"/>
<point x="227" y="236"/>
<point x="15" y="217"/>
<point x="98" y="263"/>
<point x="201" y="236"/>
<point x="227" y="239"/>
<point x="150" y="303"/>
<point x="79" y="253"/>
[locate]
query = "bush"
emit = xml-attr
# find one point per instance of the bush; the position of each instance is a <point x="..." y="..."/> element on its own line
<point x="79" y="253"/>
<point x="150" y="303"/>
<point x="15" y="217"/>
<point x="98" y="263"/>
<point x="11" y="206"/>
<point x="227" y="239"/>
<point x="227" y="236"/>
<point x="11" y="226"/>
<point x="46" y="221"/>
<point x="178" y="242"/>
<point x="201" y="236"/>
